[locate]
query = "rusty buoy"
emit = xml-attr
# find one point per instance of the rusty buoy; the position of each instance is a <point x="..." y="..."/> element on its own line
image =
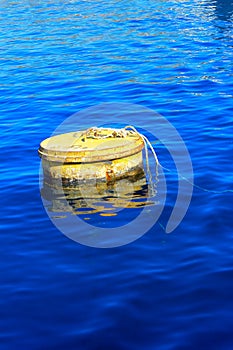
<point x="99" y="154"/>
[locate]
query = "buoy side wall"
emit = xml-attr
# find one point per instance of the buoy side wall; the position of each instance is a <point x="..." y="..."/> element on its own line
<point x="110" y="171"/>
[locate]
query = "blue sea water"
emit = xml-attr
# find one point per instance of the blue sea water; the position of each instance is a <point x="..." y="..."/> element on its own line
<point x="163" y="291"/>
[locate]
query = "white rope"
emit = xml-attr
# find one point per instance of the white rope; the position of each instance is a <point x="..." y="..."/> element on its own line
<point x="146" y="141"/>
<point x="103" y="133"/>
<point x="147" y="144"/>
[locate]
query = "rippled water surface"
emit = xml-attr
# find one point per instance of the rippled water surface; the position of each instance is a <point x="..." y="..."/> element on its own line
<point x="163" y="291"/>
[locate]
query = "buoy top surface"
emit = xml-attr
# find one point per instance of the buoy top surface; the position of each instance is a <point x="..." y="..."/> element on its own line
<point x="86" y="147"/>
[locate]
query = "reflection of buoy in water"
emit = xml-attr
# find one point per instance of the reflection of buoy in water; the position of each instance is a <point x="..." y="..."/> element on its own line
<point x="103" y="154"/>
<point x="98" y="197"/>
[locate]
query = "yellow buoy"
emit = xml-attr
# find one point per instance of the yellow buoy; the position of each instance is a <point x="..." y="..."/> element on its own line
<point x="104" y="154"/>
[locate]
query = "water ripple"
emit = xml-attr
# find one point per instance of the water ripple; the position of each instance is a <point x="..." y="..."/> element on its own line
<point x="163" y="291"/>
